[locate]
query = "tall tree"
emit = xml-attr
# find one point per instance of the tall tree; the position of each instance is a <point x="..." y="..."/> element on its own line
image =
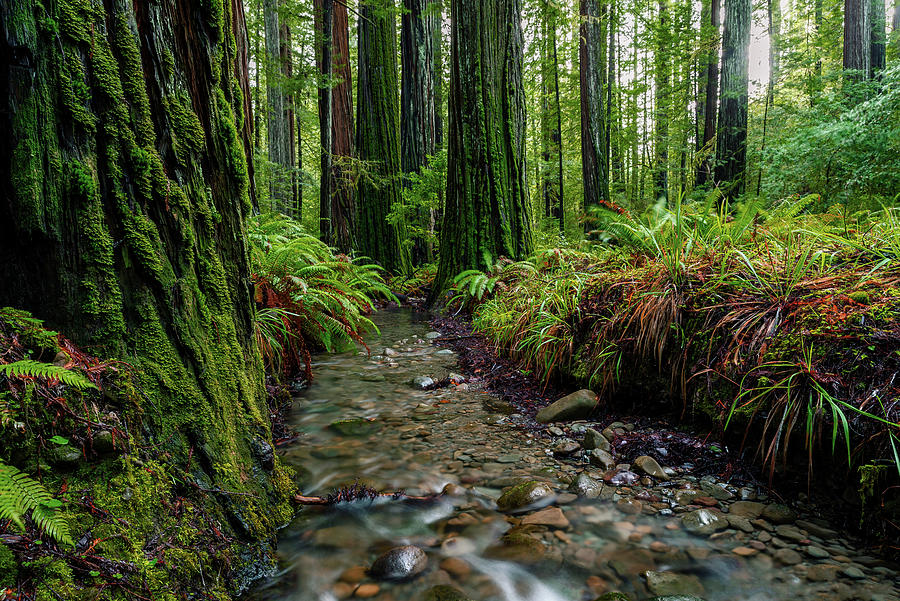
<point x="487" y="214"/>
<point x="278" y="131"/>
<point x="417" y="109"/>
<point x="122" y="225"/>
<point x="708" y="99"/>
<point x="551" y="122"/>
<point x="377" y="136"/>
<point x="856" y="39"/>
<point x="661" y="72"/>
<point x="287" y="74"/>
<point x="343" y="206"/>
<point x="438" y="46"/>
<point x="731" y="140"/>
<point x="325" y="22"/>
<point x="773" y="10"/>
<point x="594" y="152"/>
<point x="877" y="37"/>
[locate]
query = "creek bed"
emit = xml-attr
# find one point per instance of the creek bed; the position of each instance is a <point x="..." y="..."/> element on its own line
<point x="365" y="420"/>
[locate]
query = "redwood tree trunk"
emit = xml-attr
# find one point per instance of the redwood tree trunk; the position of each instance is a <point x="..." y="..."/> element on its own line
<point x="279" y="142"/>
<point x="877" y="37"/>
<point x="377" y="136"/>
<point x="487" y="213"/>
<point x="343" y="207"/>
<point x="122" y="225"/>
<point x="661" y="72"/>
<point x="594" y="155"/>
<point x="326" y="33"/>
<point x="856" y="39"/>
<point x="708" y="100"/>
<point x="731" y="140"/>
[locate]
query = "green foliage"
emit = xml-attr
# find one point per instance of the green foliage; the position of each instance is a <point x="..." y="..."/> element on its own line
<point x="20" y="494"/>
<point x="47" y="371"/>
<point x="308" y="297"/>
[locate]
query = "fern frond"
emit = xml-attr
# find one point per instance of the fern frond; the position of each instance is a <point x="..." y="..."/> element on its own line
<point x="46" y="371"/>
<point x="19" y="493"/>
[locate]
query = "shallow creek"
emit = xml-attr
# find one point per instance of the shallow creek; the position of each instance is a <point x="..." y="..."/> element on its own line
<point x="689" y="535"/>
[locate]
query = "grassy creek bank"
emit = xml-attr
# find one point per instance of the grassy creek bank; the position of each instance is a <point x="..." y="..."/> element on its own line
<point x="802" y="381"/>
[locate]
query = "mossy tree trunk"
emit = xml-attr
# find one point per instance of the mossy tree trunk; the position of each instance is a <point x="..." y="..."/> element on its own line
<point x="123" y="223"/>
<point x="417" y="110"/>
<point x="594" y="154"/>
<point x="487" y="215"/>
<point x="377" y="137"/>
<point x="731" y="138"/>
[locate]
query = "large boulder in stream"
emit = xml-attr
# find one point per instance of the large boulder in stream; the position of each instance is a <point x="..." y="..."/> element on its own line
<point x="400" y="563"/>
<point x="577" y="405"/>
<point x="525" y="495"/>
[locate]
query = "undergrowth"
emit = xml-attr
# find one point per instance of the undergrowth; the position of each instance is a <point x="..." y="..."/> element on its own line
<point x="770" y="319"/>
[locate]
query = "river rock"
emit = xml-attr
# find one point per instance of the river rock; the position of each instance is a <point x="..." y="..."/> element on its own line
<point x="400" y="563"/>
<point x="517" y="546"/>
<point x="442" y="592"/>
<point x="613" y="596"/>
<point x="649" y="466"/>
<point x="779" y="514"/>
<point x="353" y="427"/>
<point x="585" y="486"/>
<point x="421" y="382"/>
<point x="566" y="447"/>
<point x="703" y="521"/>
<point x="787" y="556"/>
<point x="64" y="456"/>
<point x="551" y="516"/>
<point x="675" y="598"/>
<point x="790" y="532"/>
<point x="602" y="459"/>
<point x="595" y="440"/>
<point x="746" y="509"/>
<point x="672" y="583"/>
<point x="525" y="494"/>
<point x="577" y="405"/>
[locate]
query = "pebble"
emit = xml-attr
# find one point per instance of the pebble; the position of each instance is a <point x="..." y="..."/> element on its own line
<point x="365" y="591"/>
<point x="456" y="567"/>
<point x="788" y="557"/>
<point x="551" y="516"/>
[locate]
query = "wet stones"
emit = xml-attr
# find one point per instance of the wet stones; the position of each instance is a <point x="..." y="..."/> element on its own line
<point x="746" y="509"/>
<point x="353" y="427"/>
<point x="399" y="563"/>
<point x="778" y="514"/>
<point x="787" y="556"/>
<point x="551" y="516"/>
<point x="442" y="592"/>
<point x="595" y="440"/>
<point x="525" y="494"/>
<point x="602" y="459"/>
<point x="517" y="546"/>
<point x="421" y="382"/>
<point x="672" y="583"/>
<point x="577" y="405"/>
<point x="566" y="448"/>
<point x="585" y="486"/>
<point x="704" y="521"/>
<point x="649" y="466"/>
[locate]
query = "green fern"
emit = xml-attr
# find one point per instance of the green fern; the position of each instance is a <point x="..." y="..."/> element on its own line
<point x="47" y="371"/>
<point x="20" y="493"/>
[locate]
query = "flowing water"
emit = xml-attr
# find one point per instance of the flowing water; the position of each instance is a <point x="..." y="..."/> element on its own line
<point x="364" y="420"/>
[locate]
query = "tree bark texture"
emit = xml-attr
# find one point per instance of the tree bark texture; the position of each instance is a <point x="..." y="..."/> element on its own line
<point x="662" y="92"/>
<point x="594" y="154"/>
<point x="122" y="223"/>
<point x="487" y="214"/>
<point x="709" y="96"/>
<point x="343" y="206"/>
<point x="277" y="128"/>
<point x="856" y="39"/>
<point x="377" y="136"/>
<point x="438" y="45"/>
<point x="731" y="139"/>
<point x="325" y="13"/>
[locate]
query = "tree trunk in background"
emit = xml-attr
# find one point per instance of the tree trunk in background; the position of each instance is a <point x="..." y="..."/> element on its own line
<point x="377" y="136"/>
<point x="488" y="214"/>
<point x="551" y="123"/>
<point x="773" y="10"/>
<point x="895" y="26"/>
<point x="661" y="72"/>
<point x="343" y="207"/>
<point x="731" y="141"/>
<point x="708" y="100"/>
<point x="417" y="112"/>
<point x="856" y="39"/>
<point x="557" y="140"/>
<point x="877" y="37"/>
<point x="279" y="143"/>
<point x="122" y="225"/>
<point x="325" y="32"/>
<point x="594" y="155"/>
<point x="612" y="122"/>
<point x="287" y="71"/>
<point x="437" y="44"/>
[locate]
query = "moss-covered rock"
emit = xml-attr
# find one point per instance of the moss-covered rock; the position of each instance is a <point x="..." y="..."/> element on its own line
<point x="9" y="567"/>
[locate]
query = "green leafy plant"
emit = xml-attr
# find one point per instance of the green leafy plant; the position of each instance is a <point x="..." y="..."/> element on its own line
<point x="19" y="494"/>
<point x="28" y="368"/>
